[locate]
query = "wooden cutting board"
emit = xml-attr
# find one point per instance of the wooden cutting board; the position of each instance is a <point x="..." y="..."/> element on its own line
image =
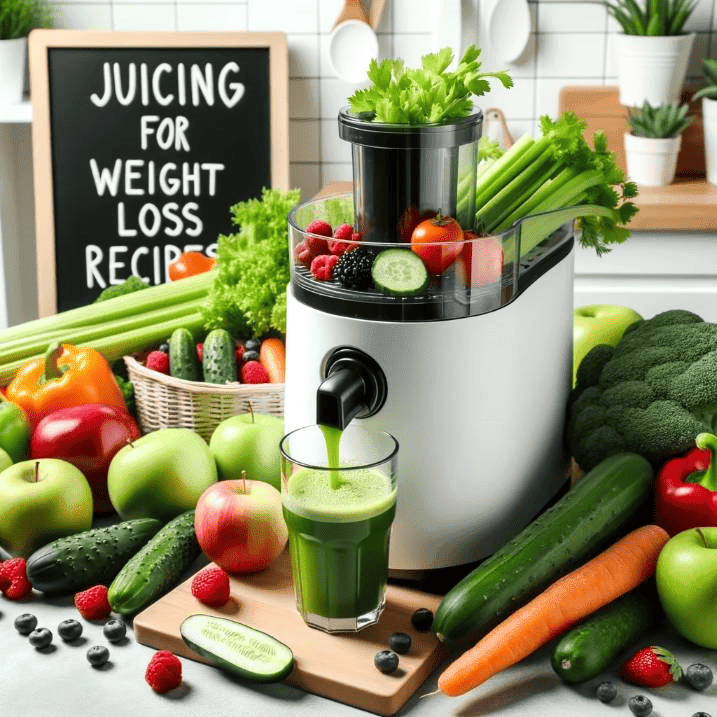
<point x="339" y="667"/>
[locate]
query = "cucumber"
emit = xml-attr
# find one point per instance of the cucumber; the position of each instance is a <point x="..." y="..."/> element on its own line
<point x="399" y="272"/>
<point x="219" y="363"/>
<point x="589" y="516"/>
<point x="591" y="647"/>
<point x="237" y="648"/>
<point x="157" y="567"/>
<point x="93" y="557"/>
<point x="183" y="361"/>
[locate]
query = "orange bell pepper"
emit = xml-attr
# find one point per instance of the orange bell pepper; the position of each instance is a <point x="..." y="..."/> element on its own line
<point x="66" y="376"/>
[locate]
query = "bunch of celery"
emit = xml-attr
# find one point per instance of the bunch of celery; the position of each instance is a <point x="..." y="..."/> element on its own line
<point x="556" y="171"/>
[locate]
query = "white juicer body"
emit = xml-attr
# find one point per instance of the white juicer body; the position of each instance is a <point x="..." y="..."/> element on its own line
<point x="477" y="405"/>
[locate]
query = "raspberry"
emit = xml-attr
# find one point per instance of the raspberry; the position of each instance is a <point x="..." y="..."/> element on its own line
<point x="92" y="603"/>
<point x="253" y="372"/>
<point x="158" y="361"/>
<point x="200" y="352"/>
<point x="303" y="254"/>
<point x="342" y="239"/>
<point x="317" y="244"/>
<point x="322" y="267"/>
<point x="14" y="583"/>
<point x="211" y="587"/>
<point x="164" y="672"/>
<point x="239" y="353"/>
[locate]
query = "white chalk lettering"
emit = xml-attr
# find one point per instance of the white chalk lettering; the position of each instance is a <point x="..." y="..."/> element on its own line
<point x="93" y="256"/>
<point x="104" y="179"/>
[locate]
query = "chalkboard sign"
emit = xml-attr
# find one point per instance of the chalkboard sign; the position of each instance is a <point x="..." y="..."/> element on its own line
<point x="141" y="143"/>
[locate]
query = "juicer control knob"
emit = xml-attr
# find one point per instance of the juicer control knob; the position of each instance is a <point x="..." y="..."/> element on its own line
<point x="353" y="386"/>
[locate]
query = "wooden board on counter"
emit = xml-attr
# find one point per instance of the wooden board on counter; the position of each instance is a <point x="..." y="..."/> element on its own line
<point x="339" y="667"/>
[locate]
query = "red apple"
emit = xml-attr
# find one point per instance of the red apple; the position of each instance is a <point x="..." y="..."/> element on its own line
<point x="240" y="525"/>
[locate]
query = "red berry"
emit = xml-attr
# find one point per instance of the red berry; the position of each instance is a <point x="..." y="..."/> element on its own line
<point x="14" y="583"/>
<point x="320" y="227"/>
<point x="92" y="603"/>
<point x="322" y="267"/>
<point x="343" y="237"/>
<point x="211" y="587"/>
<point x="158" y="361"/>
<point x="200" y="352"/>
<point x="651" y="667"/>
<point x="164" y="672"/>
<point x="239" y="353"/>
<point x="303" y="254"/>
<point x="317" y="244"/>
<point x="253" y="372"/>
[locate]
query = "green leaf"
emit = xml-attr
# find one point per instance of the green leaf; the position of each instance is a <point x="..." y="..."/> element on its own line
<point x="437" y="62"/>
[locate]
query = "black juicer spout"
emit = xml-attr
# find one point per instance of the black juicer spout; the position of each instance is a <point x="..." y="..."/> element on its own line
<point x="353" y="386"/>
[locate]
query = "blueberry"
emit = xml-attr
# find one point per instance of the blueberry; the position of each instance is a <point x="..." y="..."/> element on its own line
<point x="252" y="345"/>
<point x="400" y="642"/>
<point x="69" y="630"/>
<point x="164" y="348"/>
<point x="250" y="355"/>
<point x="606" y="691"/>
<point x="698" y="676"/>
<point x="41" y="637"/>
<point x="25" y="623"/>
<point x="701" y="714"/>
<point x="422" y="619"/>
<point x="98" y="655"/>
<point x="639" y="705"/>
<point x="386" y="661"/>
<point x="114" y="630"/>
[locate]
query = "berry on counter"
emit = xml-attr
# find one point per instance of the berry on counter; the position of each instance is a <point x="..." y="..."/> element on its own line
<point x="211" y="587"/>
<point x="340" y="241"/>
<point x="69" y="630"/>
<point x="353" y="269"/>
<point x="114" y="630"/>
<point x="606" y="691"/>
<point x="400" y="642"/>
<point x="253" y="372"/>
<point x="701" y="714"/>
<point x="14" y="583"/>
<point x="158" y="361"/>
<point x="698" y="676"/>
<point x="250" y="355"/>
<point x="25" y="623"/>
<point x="164" y="672"/>
<point x="92" y="603"/>
<point x="98" y="655"/>
<point x="41" y="637"/>
<point x="651" y="667"/>
<point x="422" y="619"/>
<point x="639" y="705"/>
<point x="386" y="661"/>
<point x="322" y="267"/>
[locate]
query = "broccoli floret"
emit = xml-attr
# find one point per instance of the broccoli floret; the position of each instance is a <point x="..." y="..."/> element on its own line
<point x="130" y="284"/>
<point x="652" y="394"/>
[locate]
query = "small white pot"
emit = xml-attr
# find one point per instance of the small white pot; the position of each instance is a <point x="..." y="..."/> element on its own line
<point x="652" y="162"/>
<point x="709" y="123"/>
<point x="652" y="68"/>
<point x="13" y="54"/>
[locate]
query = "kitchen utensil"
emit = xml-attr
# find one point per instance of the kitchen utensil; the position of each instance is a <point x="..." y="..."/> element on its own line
<point x="339" y="667"/>
<point x="507" y="26"/>
<point x="353" y="43"/>
<point x="376" y="13"/>
<point x="493" y="114"/>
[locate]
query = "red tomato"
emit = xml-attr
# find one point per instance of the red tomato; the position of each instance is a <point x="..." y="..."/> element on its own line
<point x="438" y="241"/>
<point x="482" y="259"/>
<point x="190" y="263"/>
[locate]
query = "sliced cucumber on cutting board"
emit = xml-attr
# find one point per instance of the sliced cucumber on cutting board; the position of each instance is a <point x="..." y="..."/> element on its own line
<point x="237" y="648"/>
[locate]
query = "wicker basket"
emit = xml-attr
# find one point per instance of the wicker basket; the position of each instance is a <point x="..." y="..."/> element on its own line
<point x="167" y="402"/>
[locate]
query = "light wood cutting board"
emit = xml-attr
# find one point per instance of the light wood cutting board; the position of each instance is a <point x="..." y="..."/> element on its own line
<point x="339" y="667"/>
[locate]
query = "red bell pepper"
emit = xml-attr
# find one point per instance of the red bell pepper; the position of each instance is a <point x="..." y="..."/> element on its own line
<point x="686" y="493"/>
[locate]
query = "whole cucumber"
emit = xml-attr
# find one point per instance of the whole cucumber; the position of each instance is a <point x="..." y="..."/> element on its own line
<point x="586" y="518"/>
<point x="183" y="361"/>
<point x="588" y="649"/>
<point x="219" y="364"/>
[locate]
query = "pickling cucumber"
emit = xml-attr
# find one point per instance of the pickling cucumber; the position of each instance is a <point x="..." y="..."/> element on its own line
<point x="588" y="649"/>
<point x="589" y="516"/>
<point x="183" y="361"/>
<point x="399" y="272"/>
<point x="237" y="648"/>
<point x="219" y="363"/>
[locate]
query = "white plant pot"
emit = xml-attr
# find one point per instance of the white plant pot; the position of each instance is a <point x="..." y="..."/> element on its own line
<point x="709" y="122"/>
<point x="652" y="68"/>
<point x="13" y="55"/>
<point x="652" y="162"/>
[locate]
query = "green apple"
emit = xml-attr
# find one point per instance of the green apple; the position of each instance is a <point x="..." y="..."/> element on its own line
<point x="41" y="500"/>
<point x="686" y="577"/>
<point x="5" y="460"/>
<point x="161" y="474"/>
<point x="249" y="442"/>
<point x="598" y="324"/>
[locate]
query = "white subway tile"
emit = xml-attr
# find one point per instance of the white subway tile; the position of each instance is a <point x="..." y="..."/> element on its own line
<point x="524" y="66"/>
<point x="571" y="17"/>
<point x="571" y="55"/>
<point x="304" y="99"/>
<point x="700" y="20"/>
<point x="152" y="17"/>
<point x="547" y="93"/>
<point x="333" y="148"/>
<point x="84" y="16"/>
<point x="514" y="102"/>
<point x="307" y="177"/>
<point x="411" y="48"/>
<point x="296" y="15"/>
<point x="304" y="140"/>
<point x="303" y="55"/>
<point x="611" y="55"/>
<point x="329" y="11"/>
<point x="413" y="15"/>
<point x="336" y="172"/>
<point x="211" y="16"/>
<point x="335" y="94"/>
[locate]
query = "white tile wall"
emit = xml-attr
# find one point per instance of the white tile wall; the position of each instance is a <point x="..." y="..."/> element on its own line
<point x="570" y="44"/>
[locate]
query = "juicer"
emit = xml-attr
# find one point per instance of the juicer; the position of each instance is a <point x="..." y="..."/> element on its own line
<point x="471" y="374"/>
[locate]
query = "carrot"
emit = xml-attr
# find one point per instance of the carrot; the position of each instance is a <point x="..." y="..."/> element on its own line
<point x="272" y="356"/>
<point x="615" y="571"/>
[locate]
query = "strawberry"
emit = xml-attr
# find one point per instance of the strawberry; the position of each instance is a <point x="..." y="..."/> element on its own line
<point x="651" y="667"/>
<point x="211" y="587"/>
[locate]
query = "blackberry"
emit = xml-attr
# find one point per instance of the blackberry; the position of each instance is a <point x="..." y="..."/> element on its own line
<point x="353" y="269"/>
<point x="386" y="661"/>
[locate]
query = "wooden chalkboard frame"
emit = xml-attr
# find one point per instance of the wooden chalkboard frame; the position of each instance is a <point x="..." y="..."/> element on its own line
<point x="42" y="41"/>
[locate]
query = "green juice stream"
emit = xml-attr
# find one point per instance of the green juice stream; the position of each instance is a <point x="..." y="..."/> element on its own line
<point x="339" y="523"/>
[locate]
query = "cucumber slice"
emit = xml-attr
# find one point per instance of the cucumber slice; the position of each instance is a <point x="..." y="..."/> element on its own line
<point x="237" y="648"/>
<point x="399" y="272"/>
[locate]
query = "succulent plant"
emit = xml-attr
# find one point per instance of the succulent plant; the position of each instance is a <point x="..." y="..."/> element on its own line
<point x="19" y="17"/>
<point x="658" y="122"/>
<point x="710" y="87"/>
<point x="657" y="17"/>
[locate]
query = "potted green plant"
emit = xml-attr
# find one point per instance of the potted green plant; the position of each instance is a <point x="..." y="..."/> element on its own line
<point x="708" y="93"/>
<point x="653" y="143"/>
<point x="653" y="50"/>
<point x="17" y="19"/>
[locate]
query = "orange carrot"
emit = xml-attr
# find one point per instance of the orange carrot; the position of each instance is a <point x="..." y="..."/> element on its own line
<point x="272" y="356"/>
<point x="615" y="571"/>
